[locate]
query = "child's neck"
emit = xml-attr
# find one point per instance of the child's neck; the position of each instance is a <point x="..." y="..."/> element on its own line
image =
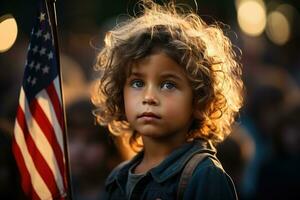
<point x="155" y="151"/>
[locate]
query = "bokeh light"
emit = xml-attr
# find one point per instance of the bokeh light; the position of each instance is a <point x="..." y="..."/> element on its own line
<point x="251" y="16"/>
<point x="278" y="28"/>
<point x="288" y="11"/>
<point x="8" y="32"/>
<point x="279" y="23"/>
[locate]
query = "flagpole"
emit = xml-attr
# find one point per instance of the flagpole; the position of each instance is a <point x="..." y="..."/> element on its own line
<point x="50" y="5"/>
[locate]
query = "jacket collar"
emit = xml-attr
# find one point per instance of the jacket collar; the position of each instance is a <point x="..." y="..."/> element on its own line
<point x="176" y="161"/>
<point x="172" y="165"/>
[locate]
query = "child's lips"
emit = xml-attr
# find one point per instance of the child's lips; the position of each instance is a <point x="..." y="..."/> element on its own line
<point x="149" y="116"/>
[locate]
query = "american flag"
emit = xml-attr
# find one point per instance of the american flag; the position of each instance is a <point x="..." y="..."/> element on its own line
<point x="38" y="144"/>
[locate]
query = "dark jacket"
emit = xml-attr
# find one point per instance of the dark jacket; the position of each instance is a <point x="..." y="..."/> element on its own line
<point x="209" y="180"/>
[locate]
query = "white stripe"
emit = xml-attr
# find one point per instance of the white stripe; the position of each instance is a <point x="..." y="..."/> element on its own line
<point x="44" y="101"/>
<point x="41" y="142"/>
<point x="57" y="88"/>
<point x="36" y="180"/>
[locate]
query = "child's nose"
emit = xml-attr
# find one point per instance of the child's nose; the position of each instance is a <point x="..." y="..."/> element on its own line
<point x="150" y="97"/>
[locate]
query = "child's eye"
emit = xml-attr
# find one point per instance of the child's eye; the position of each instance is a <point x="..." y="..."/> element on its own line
<point x="137" y="83"/>
<point x="168" y="85"/>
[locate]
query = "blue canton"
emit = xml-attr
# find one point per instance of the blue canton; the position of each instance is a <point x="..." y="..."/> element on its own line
<point x="41" y="66"/>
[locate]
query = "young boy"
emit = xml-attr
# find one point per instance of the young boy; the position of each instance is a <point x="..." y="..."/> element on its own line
<point x="172" y="84"/>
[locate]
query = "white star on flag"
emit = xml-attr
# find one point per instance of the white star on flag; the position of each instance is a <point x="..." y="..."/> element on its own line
<point x="47" y="36"/>
<point x="38" y="33"/>
<point x="38" y="66"/>
<point x="42" y="51"/>
<point x="31" y="64"/>
<point x="35" y="49"/>
<point x="45" y="70"/>
<point x="33" y="82"/>
<point x="29" y="79"/>
<point x="50" y="55"/>
<point x="42" y="17"/>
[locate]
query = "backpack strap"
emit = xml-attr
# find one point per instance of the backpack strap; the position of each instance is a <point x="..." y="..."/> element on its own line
<point x="188" y="171"/>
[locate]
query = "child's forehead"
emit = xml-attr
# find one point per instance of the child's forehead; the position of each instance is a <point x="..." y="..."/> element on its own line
<point x="159" y="63"/>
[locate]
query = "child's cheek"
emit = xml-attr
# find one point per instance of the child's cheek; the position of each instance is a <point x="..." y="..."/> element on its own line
<point x="172" y="107"/>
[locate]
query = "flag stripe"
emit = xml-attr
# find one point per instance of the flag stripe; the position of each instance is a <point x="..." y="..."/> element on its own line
<point x="26" y="183"/>
<point x="48" y="108"/>
<point x="40" y="164"/>
<point x="49" y="115"/>
<point x="47" y="129"/>
<point x="54" y="91"/>
<point x="57" y="88"/>
<point x="37" y="182"/>
<point x="53" y="94"/>
<point x="44" y="145"/>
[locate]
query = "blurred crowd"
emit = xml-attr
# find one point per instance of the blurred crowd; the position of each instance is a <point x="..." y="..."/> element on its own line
<point x="262" y="154"/>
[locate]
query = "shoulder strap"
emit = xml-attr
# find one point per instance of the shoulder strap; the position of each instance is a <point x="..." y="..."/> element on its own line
<point x="188" y="171"/>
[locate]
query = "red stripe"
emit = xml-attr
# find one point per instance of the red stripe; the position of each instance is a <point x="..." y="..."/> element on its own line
<point x="56" y="104"/>
<point x="39" y="161"/>
<point x="53" y="95"/>
<point x="25" y="176"/>
<point x="46" y="127"/>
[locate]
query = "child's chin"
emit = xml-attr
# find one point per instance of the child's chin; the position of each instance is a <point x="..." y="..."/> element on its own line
<point x="155" y="135"/>
<point x="151" y="133"/>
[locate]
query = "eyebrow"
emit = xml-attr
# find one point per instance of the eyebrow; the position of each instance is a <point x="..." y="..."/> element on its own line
<point x="171" y="75"/>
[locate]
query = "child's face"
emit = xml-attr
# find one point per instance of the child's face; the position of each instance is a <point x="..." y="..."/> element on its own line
<point x="158" y="98"/>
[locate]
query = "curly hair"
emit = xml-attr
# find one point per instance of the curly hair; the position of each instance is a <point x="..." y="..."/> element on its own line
<point x="204" y="52"/>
